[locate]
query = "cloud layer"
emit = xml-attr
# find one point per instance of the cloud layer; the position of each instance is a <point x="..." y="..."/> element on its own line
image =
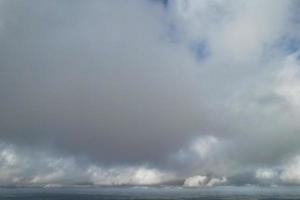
<point x="199" y="93"/>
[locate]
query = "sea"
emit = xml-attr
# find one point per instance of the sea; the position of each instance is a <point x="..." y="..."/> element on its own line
<point x="151" y="193"/>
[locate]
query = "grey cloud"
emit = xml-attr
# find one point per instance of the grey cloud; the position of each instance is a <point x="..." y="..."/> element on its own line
<point x="121" y="84"/>
<point x="91" y="81"/>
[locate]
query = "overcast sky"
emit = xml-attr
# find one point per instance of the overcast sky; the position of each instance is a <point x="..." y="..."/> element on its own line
<point x="147" y="92"/>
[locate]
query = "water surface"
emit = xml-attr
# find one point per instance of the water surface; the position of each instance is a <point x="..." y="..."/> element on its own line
<point x="151" y="193"/>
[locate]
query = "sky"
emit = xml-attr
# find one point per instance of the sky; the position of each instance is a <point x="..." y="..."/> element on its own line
<point x="149" y="92"/>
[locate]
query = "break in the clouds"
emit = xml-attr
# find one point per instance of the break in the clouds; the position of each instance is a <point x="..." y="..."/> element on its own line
<point x="188" y="92"/>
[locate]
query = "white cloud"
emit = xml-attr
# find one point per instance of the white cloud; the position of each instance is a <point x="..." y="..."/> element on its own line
<point x="236" y="30"/>
<point x="19" y="167"/>
<point x="291" y="172"/>
<point x="265" y="174"/>
<point x="200" y="181"/>
<point x="205" y="146"/>
<point x="288" y="81"/>
<point x="286" y="173"/>
<point x="217" y="181"/>
<point x="195" y="181"/>
<point x="128" y="176"/>
<point x="204" y="155"/>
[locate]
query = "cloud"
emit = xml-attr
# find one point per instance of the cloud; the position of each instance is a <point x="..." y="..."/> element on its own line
<point x="87" y="80"/>
<point x="291" y="172"/>
<point x="140" y="92"/>
<point x="204" y="146"/>
<point x="200" y="181"/>
<point x="204" y="155"/>
<point x="287" y="79"/>
<point x="240" y="31"/>
<point x="129" y="176"/>
<point x="265" y="174"/>
<point x="285" y="173"/>
<point x="22" y="168"/>
<point x="266" y="110"/>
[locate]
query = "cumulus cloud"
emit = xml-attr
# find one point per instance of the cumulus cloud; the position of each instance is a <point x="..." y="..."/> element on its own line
<point x="129" y="176"/>
<point x="285" y="173"/>
<point x="199" y="181"/>
<point x="204" y="155"/>
<point x="21" y="168"/>
<point x="291" y="172"/>
<point x="265" y="174"/>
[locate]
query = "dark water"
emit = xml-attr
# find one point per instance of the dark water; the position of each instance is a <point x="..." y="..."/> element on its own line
<point x="151" y="193"/>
